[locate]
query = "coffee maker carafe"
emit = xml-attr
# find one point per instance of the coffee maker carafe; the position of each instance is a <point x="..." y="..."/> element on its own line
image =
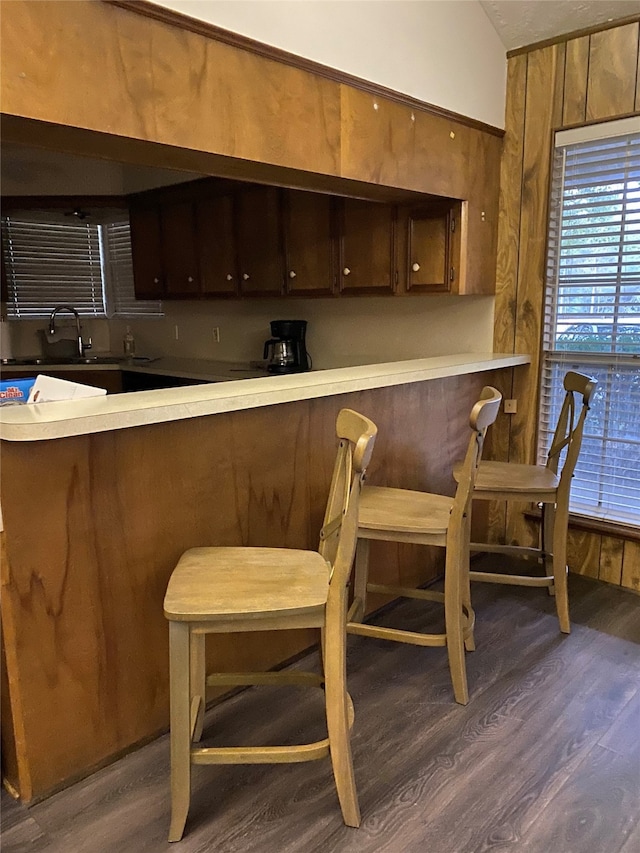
<point x="286" y="351"/>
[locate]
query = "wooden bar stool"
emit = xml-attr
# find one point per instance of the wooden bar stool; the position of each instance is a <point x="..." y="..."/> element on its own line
<point x="400" y="515"/>
<point x="225" y="590"/>
<point x="513" y="482"/>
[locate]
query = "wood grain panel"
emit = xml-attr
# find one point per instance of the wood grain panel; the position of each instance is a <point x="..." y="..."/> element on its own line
<point x="504" y="327"/>
<point x="510" y="208"/>
<point x="631" y="565"/>
<point x="82" y="600"/>
<point x="613" y="62"/>
<point x="440" y="163"/>
<point x="478" y="272"/>
<point x="378" y="138"/>
<point x="610" y="559"/>
<point x="575" y="81"/>
<point x="583" y="552"/>
<point x="213" y="97"/>
<point x="542" y="68"/>
<point x="115" y="93"/>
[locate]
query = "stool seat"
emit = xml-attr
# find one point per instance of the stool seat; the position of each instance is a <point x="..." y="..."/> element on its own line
<point x="534" y="481"/>
<point x="402" y="511"/>
<point x="210" y="584"/>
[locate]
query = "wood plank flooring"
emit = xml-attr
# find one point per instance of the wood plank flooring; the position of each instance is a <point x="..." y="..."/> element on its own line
<point x="544" y="759"/>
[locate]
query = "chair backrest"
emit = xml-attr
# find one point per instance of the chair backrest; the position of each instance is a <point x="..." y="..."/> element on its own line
<point x="339" y="532"/>
<point x="483" y="414"/>
<point x="570" y="427"/>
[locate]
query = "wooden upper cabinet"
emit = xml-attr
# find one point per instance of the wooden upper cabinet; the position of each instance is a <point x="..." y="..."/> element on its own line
<point x="215" y="239"/>
<point x="179" y="255"/>
<point x="259" y="245"/>
<point x="309" y="245"/>
<point x="146" y="251"/>
<point x="433" y="248"/>
<point x="367" y="247"/>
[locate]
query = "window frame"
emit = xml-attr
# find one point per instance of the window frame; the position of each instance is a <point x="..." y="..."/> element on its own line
<point x="567" y="282"/>
<point x="114" y="296"/>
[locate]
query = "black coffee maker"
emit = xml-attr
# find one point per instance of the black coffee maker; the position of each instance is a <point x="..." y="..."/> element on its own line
<point x="286" y="351"/>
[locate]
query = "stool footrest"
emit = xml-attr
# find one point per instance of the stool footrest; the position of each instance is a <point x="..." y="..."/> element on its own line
<point x="248" y="679"/>
<point x="522" y="551"/>
<point x="406" y="592"/>
<point x="513" y="580"/>
<point x="399" y="636"/>
<point x="260" y="754"/>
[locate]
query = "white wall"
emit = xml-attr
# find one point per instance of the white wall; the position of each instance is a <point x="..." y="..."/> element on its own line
<point x="444" y="52"/>
<point x="341" y="331"/>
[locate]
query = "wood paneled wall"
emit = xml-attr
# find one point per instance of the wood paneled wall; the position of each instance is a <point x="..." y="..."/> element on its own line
<point x="590" y="78"/>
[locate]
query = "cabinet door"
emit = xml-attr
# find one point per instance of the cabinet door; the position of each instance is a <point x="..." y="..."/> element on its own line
<point x="216" y="246"/>
<point x="259" y="241"/>
<point x="309" y="244"/>
<point x="433" y="249"/>
<point x="367" y="256"/>
<point x="179" y="256"/>
<point x="146" y="251"/>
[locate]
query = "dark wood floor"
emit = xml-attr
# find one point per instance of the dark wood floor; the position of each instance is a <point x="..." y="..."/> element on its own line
<point x="544" y="759"/>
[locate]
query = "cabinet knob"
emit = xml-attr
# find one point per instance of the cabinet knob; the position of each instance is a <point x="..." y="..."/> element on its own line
<point x="245" y="276"/>
<point x="156" y="281"/>
<point x="229" y="277"/>
<point x="190" y="279"/>
<point x="346" y="271"/>
<point x="292" y="274"/>
<point x="415" y="267"/>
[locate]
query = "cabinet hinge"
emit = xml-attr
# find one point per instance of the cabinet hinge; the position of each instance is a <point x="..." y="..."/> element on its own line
<point x="452" y="274"/>
<point x="453" y="224"/>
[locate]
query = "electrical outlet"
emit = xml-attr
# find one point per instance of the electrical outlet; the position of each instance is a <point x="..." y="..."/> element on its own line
<point x="176" y="333"/>
<point x="510" y="407"/>
<point x="216" y="334"/>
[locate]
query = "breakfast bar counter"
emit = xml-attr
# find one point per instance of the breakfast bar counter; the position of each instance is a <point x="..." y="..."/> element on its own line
<point x="80" y="417"/>
<point x="99" y="498"/>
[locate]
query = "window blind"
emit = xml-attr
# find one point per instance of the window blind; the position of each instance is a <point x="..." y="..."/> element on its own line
<point x="88" y="266"/>
<point x="119" y="273"/>
<point x="49" y="264"/>
<point x="592" y="313"/>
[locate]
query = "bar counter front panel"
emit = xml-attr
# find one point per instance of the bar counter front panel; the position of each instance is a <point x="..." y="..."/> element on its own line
<point x="94" y="525"/>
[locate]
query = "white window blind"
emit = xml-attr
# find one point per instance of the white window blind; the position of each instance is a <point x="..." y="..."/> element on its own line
<point x="86" y="265"/>
<point x="49" y="264"/>
<point x="119" y="274"/>
<point x="592" y="311"/>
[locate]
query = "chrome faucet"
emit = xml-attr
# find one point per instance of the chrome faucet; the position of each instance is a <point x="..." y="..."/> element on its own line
<point x="82" y="347"/>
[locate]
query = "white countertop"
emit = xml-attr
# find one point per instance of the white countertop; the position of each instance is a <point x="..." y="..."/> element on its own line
<point x="184" y="368"/>
<point x="121" y="411"/>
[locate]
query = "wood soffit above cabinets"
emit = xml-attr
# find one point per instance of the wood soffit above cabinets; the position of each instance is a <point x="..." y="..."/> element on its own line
<point x="211" y="31"/>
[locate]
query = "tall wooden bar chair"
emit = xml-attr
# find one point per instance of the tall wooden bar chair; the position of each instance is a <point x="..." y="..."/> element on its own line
<point x="513" y="482"/>
<point x="227" y="590"/>
<point x="400" y="515"/>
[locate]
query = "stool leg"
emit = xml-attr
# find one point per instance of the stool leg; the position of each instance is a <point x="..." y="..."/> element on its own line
<point x="361" y="578"/>
<point x="180" y="727"/>
<point x="336" y="704"/>
<point x="546" y="541"/>
<point x="453" y="622"/>
<point x="560" y="569"/>
<point x="198" y="680"/>
<point x="470" y="642"/>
